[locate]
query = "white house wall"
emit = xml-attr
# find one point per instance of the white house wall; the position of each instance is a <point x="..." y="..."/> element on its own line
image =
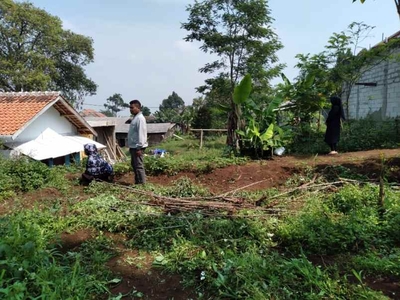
<point x="382" y="101"/>
<point x="49" y="119"/>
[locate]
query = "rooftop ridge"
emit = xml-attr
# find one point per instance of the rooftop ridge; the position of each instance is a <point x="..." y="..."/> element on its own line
<point x="34" y="93"/>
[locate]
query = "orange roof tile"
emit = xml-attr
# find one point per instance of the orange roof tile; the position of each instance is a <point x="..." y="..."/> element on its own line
<point x="16" y="109"/>
<point x="91" y="113"/>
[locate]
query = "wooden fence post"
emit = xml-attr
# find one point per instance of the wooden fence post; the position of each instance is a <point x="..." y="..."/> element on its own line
<point x="201" y="138"/>
<point x="210" y="130"/>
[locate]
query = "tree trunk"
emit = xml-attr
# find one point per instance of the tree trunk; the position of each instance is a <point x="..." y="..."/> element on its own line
<point x="233" y="125"/>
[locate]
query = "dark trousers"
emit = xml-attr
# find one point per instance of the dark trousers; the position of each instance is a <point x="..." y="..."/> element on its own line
<point x="86" y="179"/>
<point x="333" y="147"/>
<point x="138" y="166"/>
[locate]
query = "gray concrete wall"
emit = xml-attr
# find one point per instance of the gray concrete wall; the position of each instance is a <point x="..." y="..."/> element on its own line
<point x="382" y="101"/>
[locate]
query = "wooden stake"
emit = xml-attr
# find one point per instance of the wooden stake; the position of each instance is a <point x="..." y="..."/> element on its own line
<point x="201" y="138"/>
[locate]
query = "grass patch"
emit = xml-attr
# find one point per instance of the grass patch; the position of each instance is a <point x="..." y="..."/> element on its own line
<point x="186" y="156"/>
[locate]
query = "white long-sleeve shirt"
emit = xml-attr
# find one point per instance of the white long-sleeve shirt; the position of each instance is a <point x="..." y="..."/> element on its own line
<point x="137" y="135"/>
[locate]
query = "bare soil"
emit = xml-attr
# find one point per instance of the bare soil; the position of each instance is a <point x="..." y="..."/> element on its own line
<point x="274" y="172"/>
<point x="137" y="270"/>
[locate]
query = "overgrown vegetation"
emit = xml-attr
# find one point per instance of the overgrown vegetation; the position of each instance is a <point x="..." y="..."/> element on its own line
<point x="23" y="174"/>
<point x="32" y="267"/>
<point x="327" y="247"/>
<point x="357" y="135"/>
<point x="186" y="156"/>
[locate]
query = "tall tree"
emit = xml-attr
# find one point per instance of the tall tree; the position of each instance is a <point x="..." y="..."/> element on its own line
<point x="173" y="102"/>
<point x="37" y="54"/>
<point x="239" y="33"/>
<point x="115" y="104"/>
<point x="170" y="109"/>
<point x="146" y="111"/>
<point x="396" y="2"/>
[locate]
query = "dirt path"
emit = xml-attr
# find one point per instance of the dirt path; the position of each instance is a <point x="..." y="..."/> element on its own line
<point x="276" y="171"/>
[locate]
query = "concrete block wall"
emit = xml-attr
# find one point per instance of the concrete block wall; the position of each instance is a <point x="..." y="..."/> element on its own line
<point x="382" y="101"/>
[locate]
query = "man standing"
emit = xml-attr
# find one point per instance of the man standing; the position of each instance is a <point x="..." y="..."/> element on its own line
<point x="137" y="141"/>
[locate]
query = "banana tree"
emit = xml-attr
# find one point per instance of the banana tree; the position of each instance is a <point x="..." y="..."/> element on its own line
<point x="259" y="130"/>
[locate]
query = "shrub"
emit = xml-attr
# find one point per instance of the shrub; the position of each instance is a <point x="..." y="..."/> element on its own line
<point x="31" y="269"/>
<point x="357" y="135"/>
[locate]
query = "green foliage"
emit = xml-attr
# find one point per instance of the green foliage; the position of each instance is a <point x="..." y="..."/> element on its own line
<point x="32" y="269"/>
<point x="185" y="156"/>
<point x="184" y="187"/>
<point x="56" y="178"/>
<point x="146" y="111"/>
<point x="261" y="131"/>
<point x="245" y="255"/>
<point x="105" y="212"/>
<point x="235" y="257"/>
<point x="217" y="101"/>
<point x="38" y="54"/>
<point x="28" y="175"/>
<point x="306" y="96"/>
<point x="242" y="90"/>
<point x="170" y="109"/>
<point x="203" y="162"/>
<point x="173" y="102"/>
<point x="122" y="168"/>
<point x="374" y="263"/>
<point x="114" y="105"/>
<point x="239" y="33"/>
<point x="21" y="175"/>
<point x="334" y="71"/>
<point x="356" y="135"/>
<point x="24" y="175"/>
<point x="347" y="222"/>
<point x="203" y="118"/>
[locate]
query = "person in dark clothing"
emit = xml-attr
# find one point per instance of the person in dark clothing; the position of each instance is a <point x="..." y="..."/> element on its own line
<point x="96" y="166"/>
<point x="333" y="124"/>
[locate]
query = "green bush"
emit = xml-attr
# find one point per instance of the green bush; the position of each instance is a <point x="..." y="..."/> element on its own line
<point x="24" y="174"/>
<point x="347" y="221"/>
<point x="121" y="168"/>
<point x="21" y="175"/>
<point x="199" y="163"/>
<point x="356" y="135"/>
<point x="30" y="269"/>
<point x="374" y="263"/>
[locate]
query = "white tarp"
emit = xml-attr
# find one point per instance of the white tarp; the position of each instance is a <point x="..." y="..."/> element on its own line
<point x="50" y="144"/>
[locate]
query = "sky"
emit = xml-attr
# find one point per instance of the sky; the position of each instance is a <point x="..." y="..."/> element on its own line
<point x="140" y="52"/>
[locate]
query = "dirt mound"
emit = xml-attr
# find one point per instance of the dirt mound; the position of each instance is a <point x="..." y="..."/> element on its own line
<point x="138" y="275"/>
<point x="276" y="171"/>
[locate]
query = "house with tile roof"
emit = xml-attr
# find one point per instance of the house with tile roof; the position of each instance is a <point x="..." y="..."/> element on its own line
<point x="91" y="113"/>
<point x="43" y="126"/>
<point x="156" y="132"/>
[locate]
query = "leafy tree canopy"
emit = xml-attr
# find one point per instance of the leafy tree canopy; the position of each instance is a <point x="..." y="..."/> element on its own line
<point x="115" y="104"/>
<point x="37" y="54"/>
<point x="173" y="102"/>
<point x="146" y="111"/>
<point x="239" y="33"/>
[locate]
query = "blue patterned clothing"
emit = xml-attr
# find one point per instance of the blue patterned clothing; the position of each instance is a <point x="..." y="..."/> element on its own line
<point x="96" y="165"/>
